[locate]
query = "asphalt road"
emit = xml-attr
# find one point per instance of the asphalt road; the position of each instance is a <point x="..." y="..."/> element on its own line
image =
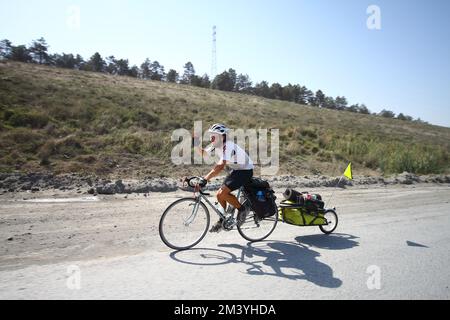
<point x="391" y="243"/>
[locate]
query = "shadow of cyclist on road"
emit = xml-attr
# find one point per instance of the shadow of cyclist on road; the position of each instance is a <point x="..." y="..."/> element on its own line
<point x="335" y="241"/>
<point x="287" y="260"/>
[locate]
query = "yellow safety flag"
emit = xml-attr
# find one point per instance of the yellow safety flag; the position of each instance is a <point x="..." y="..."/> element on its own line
<point x="348" y="172"/>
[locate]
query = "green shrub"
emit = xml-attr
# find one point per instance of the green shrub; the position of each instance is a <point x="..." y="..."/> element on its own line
<point x="304" y="151"/>
<point x="390" y="156"/>
<point x="308" y="133"/>
<point x="24" y="140"/>
<point x="415" y="159"/>
<point x="68" y="143"/>
<point x="28" y="119"/>
<point x="132" y="144"/>
<point x="324" y="156"/>
<point x="13" y="159"/>
<point x="145" y="120"/>
<point x="68" y="147"/>
<point x="293" y="148"/>
<point x="6" y="114"/>
<point x="46" y="151"/>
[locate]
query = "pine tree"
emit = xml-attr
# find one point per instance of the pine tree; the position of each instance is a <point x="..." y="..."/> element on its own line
<point x="157" y="71"/>
<point x="233" y="78"/>
<point x="243" y="84"/>
<point x="67" y="61"/>
<point x="387" y="114"/>
<point x="206" y="83"/>
<point x="21" y="54"/>
<point x="172" y="76"/>
<point x="96" y="63"/>
<point x="39" y="51"/>
<point x="134" y="71"/>
<point x="363" y="109"/>
<point x="341" y="103"/>
<point x="310" y="98"/>
<point x="276" y="91"/>
<point x="145" y="69"/>
<point x="262" y="89"/>
<point x="189" y="73"/>
<point x="5" y="49"/>
<point x="320" y="98"/>
<point x="123" y="68"/>
<point x="223" y="82"/>
<point x="111" y="66"/>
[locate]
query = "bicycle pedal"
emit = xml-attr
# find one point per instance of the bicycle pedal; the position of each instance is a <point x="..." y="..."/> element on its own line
<point x="229" y="224"/>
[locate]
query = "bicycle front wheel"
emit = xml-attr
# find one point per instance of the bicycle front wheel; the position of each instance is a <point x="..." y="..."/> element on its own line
<point x="184" y="224"/>
<point x="254" y="229"/>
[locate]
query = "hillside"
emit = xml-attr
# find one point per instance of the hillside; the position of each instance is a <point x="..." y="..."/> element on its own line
<point x="60" y="121"/>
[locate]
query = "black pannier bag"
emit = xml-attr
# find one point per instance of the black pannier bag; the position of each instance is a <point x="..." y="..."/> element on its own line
<point x="262" y="198"/>
<point x="312" y="202"/>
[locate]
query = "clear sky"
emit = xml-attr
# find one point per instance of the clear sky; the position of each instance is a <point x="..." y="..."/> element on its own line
<point x="323" y="44"/>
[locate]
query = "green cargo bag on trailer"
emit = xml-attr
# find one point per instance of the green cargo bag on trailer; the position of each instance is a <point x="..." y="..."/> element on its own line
<point x="299" y="216"/>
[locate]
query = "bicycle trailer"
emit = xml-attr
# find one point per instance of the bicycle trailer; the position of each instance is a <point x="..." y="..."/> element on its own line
<point x="302" y="209"/>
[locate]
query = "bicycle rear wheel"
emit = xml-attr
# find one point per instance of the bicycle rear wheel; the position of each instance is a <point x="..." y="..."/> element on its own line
<point x="184" y="224"/>
<point x="254" y="229"/>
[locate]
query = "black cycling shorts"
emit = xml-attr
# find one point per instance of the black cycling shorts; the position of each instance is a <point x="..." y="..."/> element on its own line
<point x="237" y="179"/>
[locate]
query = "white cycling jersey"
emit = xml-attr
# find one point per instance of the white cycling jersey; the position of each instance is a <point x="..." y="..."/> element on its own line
<point x="234" y="155"/>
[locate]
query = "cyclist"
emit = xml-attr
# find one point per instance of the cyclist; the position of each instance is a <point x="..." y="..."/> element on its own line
<point x="233" y="156"/>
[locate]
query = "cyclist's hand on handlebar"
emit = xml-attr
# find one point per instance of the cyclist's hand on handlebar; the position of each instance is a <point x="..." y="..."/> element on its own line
<point x="201" y="184"/>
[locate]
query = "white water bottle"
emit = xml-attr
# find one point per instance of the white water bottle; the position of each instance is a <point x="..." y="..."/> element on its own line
<point x="220" y="208"/>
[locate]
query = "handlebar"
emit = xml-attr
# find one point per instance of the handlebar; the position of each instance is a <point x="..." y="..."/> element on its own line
<point x="193" y="182"/>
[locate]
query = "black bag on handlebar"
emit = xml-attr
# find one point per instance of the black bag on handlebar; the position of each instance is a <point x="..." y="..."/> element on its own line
<point x="262" y="198"/>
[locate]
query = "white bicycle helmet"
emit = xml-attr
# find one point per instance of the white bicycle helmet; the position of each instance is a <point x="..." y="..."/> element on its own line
<point x="219" y="128"/>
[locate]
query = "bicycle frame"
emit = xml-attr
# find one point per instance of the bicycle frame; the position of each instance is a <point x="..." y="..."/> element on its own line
<point x="229" y="219"/>
<point x="203" y="196"/>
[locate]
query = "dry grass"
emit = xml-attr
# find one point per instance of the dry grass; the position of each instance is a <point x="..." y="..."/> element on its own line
<point x="71" y="121"/>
